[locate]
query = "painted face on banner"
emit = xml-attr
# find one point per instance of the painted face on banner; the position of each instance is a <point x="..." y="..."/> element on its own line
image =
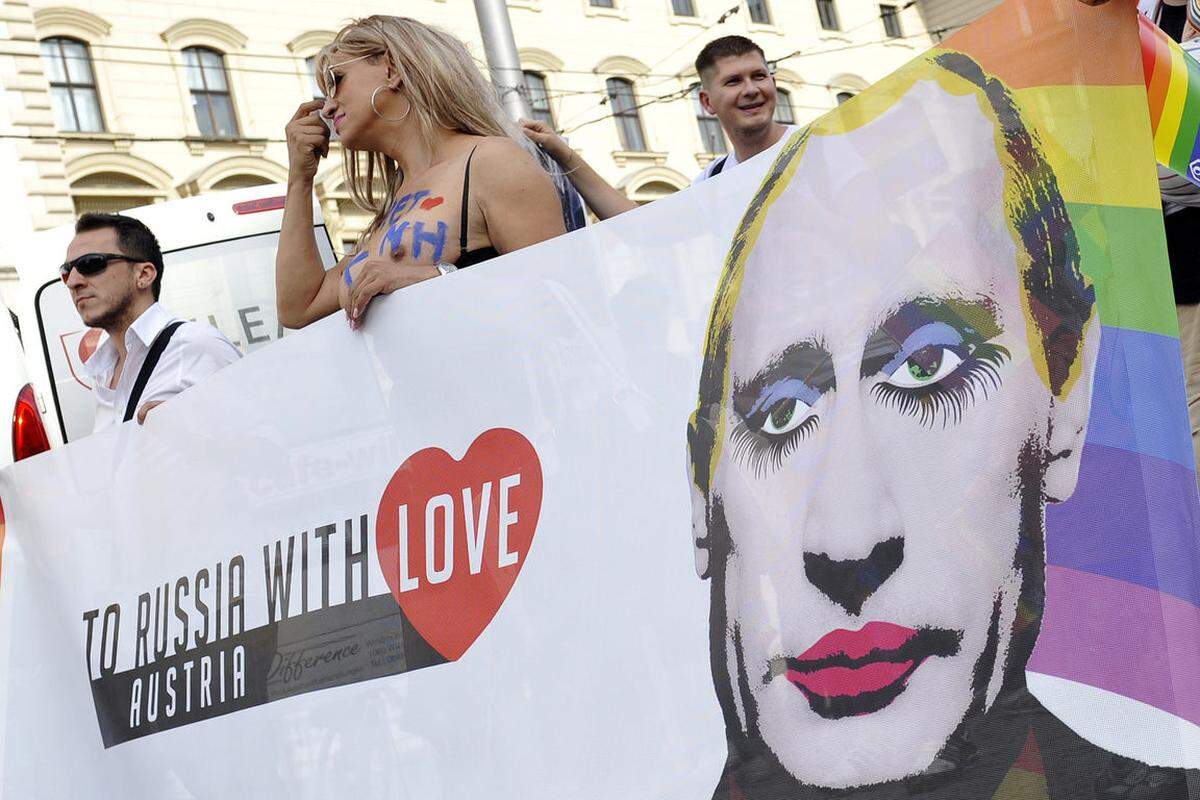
<point x="883" y="452"/>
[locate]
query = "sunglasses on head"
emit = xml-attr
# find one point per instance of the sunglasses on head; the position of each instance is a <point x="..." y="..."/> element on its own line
<point x="91" y="264"/>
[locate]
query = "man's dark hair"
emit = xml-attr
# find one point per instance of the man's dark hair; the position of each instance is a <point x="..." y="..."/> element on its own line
<point x="725" y="47"/>
<point x="133" y="237"/>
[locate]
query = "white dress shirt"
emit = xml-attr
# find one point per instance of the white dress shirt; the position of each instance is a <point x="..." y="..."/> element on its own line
<point x="195" y="351"/>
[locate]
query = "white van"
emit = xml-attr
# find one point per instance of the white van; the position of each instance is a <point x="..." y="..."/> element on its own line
<point x="219" y="267"/>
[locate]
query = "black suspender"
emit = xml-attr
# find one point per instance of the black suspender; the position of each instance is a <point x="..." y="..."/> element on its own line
<point x="152" y="357"/>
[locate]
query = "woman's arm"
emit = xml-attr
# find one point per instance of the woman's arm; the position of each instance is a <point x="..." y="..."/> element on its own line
<point x="515" y="195"/>
<point x="602" y="199"/>
<point x="304" y="291"/>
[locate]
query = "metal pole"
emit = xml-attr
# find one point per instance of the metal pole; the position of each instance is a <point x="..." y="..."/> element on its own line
<point x="501" y="50"/>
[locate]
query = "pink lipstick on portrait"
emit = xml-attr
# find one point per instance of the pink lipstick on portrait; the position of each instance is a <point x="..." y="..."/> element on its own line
<point x="850" y="673"/>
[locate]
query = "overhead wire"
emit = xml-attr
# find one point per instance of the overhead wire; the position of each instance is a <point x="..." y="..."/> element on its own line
<point x="668" y="97"/>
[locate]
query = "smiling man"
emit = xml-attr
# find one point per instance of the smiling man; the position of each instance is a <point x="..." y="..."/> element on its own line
<point x="897" y="379"/>
<point x="114" y="270"/>
<point x="736" y="86"/>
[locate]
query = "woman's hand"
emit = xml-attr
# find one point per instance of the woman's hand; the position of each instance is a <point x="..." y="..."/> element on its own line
<point x="375" y="275"/>
<point x="544" y="137"/>
<point x="307" y="141"/>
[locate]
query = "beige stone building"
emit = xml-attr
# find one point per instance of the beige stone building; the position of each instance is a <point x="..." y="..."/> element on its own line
<point x="110" y="104"/>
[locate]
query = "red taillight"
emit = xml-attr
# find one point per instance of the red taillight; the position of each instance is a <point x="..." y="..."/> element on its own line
<point x="255" y="206"/>
<point x="28" y="434"/>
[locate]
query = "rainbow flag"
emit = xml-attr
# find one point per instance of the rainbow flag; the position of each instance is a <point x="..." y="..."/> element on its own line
<point x="1120" y="640"/>
<point x="1173" y="92"/>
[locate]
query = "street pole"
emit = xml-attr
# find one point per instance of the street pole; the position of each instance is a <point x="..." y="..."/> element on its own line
<point x="503" y="62"/>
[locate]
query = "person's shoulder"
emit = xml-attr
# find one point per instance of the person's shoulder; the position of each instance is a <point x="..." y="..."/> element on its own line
<point x="502" y="163"/>
<point x="501" y="153"/>
<point x="706" y="173"/>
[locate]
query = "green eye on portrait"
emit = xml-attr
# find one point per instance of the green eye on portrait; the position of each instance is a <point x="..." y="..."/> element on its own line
<point x="925" y="367"/>
<point x="785" y="416"/>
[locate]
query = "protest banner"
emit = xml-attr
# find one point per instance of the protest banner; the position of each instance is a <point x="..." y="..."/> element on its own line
<point x="862" y="470"/>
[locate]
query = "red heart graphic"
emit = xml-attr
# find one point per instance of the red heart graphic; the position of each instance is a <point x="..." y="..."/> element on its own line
<point x="432" y="202"/>
<point x="451" y="593"/>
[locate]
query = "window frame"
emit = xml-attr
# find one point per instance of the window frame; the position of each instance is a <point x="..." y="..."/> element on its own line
<point x="209" y="93"/>
<point x="763" y="11"/>
<point x="783" y="99"/>
<point x="705" y="125"/>
<point x="689" y="14"/>
<point x="890" y="14"/>
<point x="545" y="115"/>
<point x="72" y="87"/>
<point x="626" y="117"/>
<point x="827" y="15"/>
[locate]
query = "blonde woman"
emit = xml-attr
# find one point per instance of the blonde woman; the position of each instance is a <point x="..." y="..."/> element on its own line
<point x="426" y="149"/>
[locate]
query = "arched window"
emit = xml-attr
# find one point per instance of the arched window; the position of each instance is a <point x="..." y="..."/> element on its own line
<point x="111" y="193"/>
<point x="625" y="112"/>
<point x="539" y="97"/>
<point x="72" y="85"/>
<point x="649" y="192"/>
<point x="843" y="97"/>
<point x="712" y="138"/>
<point x="783" y="107"/>
<point x="211" y="98"/>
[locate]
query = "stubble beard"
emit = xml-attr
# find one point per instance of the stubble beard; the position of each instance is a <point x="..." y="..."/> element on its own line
<point x="115" y="318"/>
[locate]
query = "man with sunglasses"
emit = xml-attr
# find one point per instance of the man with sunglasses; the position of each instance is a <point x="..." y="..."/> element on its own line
<point x="114" y="270"/>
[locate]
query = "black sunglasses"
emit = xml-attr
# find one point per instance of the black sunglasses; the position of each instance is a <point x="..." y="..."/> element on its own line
<point x="92" y="263"/>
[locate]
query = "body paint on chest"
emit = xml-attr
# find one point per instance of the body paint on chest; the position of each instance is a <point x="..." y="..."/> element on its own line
<point x="419" y="236"/>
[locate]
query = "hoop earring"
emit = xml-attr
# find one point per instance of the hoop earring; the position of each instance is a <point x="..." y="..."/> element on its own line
<point x="400" y="118"/>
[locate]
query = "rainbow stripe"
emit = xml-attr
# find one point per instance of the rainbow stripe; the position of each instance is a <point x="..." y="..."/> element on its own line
<point x="1173" y="92"/>
<point x="1121" y="631"/>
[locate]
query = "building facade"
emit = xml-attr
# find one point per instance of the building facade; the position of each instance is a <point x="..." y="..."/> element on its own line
<point x="111" y="104"/>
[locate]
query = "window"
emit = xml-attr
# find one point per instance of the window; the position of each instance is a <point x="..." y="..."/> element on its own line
<point x="843" y="97"/>
<point x="629" y="125"/>
<point x="539" y="98"/>
<point x="712" y="138"/>
<point x="601" y="3"/>
<point x="111" y="193"/>
<point x="783" y="107"/>
<point x="891" y="21"/>
<point x="828" y="14"/>
<point x="72" y="85"/>
<point x="683" y="8"/>
<point x="314" y="88"/>
<point x="759" y="12"/>
<point x="211" y="99"/>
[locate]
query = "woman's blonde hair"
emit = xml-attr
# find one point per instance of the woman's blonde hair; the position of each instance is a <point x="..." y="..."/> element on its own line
<point x="444" y="86"/>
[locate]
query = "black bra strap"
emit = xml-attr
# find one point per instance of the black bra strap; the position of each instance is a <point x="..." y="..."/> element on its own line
<point x="462" y="233"/>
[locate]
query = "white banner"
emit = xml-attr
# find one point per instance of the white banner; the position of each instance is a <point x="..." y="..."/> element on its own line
<point x="769" y="489"/>
<point x="572" y="365"/>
